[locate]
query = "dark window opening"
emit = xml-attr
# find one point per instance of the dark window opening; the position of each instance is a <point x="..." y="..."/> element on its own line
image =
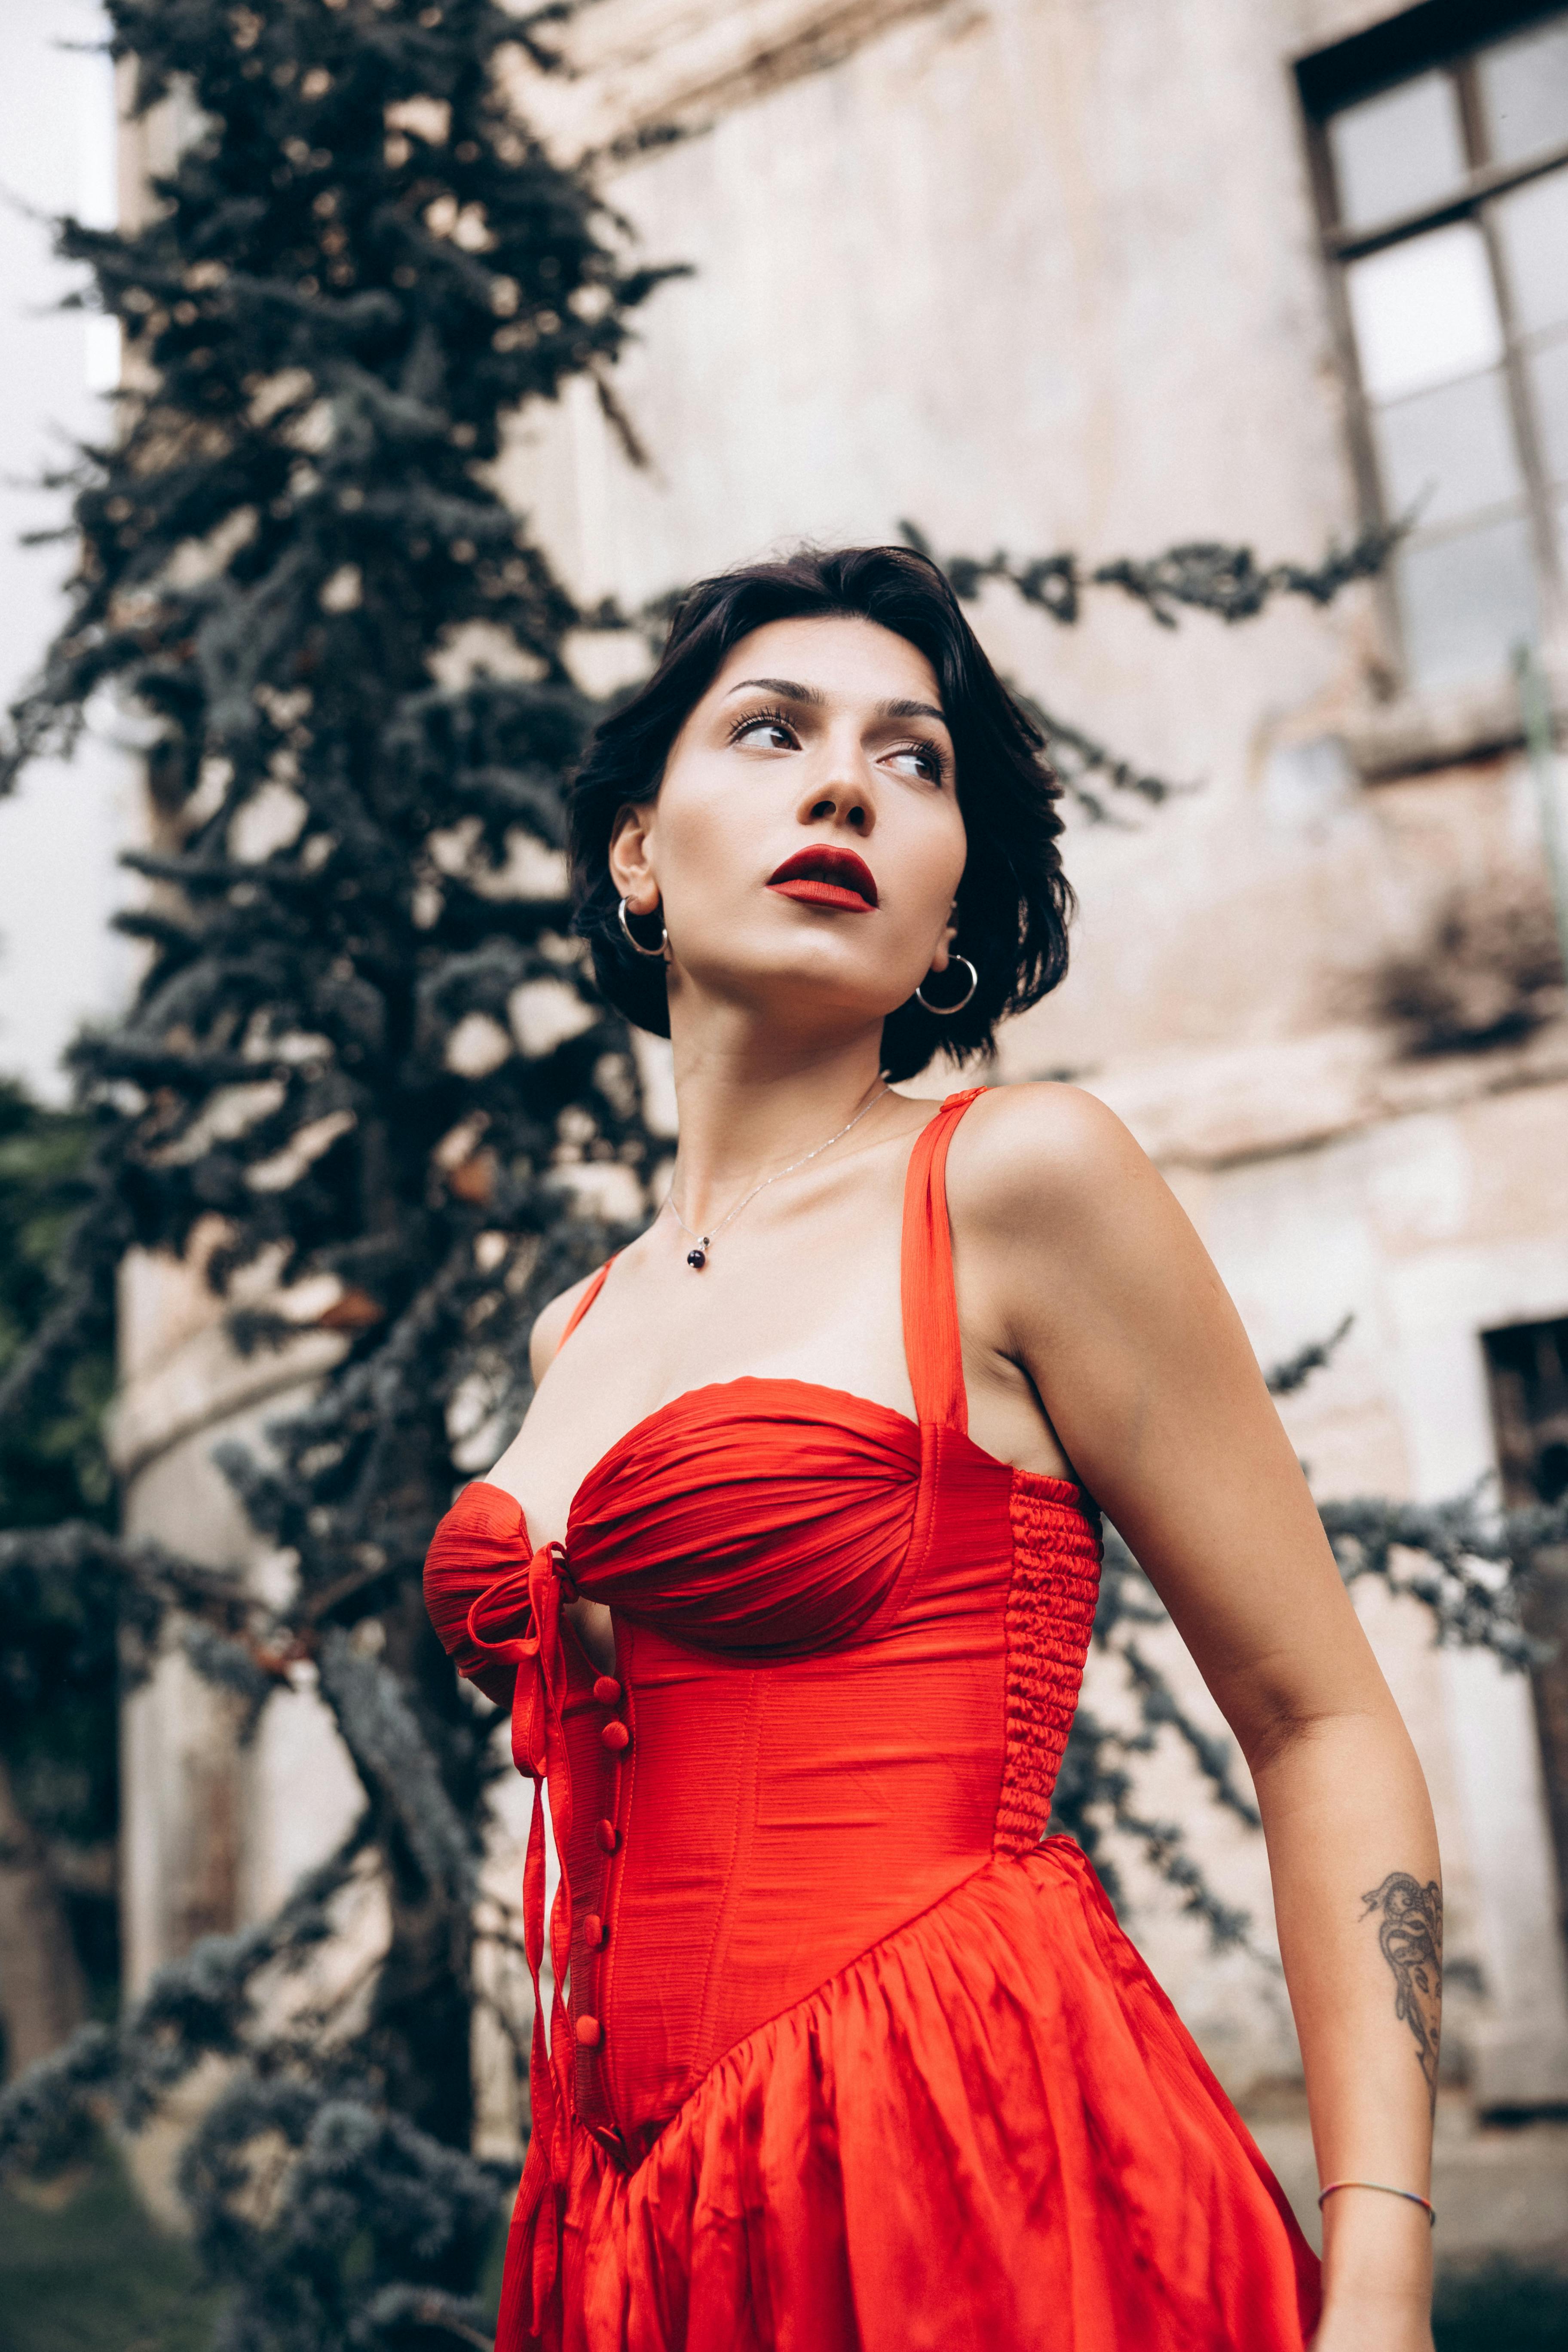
<point x="1527" y="1372"/>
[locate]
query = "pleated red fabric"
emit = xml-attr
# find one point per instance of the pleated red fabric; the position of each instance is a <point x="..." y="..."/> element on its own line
<point x="850" y="2056"/>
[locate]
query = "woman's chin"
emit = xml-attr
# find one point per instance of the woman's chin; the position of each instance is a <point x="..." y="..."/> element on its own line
<point x="793" y="993"/>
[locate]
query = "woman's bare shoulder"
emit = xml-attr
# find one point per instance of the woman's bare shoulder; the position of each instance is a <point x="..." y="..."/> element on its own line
<point x="549" y="1327"/>
<point x="1038" y="1145"/>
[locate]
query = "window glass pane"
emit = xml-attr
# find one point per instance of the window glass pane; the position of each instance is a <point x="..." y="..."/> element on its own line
<point x="1393" y="152"/>
<point x="1425" y="311"/>
<point x="1466" y="601"/>
<point x="1533" y="227"/>
<point x="1548" y="372"/>
<point x="1453" y="451"/>
<point x="1524" y="92"/>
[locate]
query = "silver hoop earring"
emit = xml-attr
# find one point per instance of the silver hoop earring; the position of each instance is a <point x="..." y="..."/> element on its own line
<point x="636" y="944"/>
<point x="941" y="1010"/>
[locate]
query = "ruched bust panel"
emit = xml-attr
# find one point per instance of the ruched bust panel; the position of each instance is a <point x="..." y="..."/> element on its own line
<point x="768" y="1518"/>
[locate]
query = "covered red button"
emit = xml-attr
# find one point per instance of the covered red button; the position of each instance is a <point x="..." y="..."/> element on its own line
<point x="616" y="1734"/>
<point x="594" y="1931"/>
<point x="606" y="1834"/>
<point x="588" y="2032"/>
<point x="608" y="1691"/>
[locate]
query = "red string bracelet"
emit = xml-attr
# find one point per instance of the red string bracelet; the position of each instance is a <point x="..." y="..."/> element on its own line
<point x="1384" y="2190"/>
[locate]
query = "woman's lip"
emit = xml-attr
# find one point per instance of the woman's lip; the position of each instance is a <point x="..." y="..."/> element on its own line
<point x="811" y="893"/>
<point x="831" y="876"/>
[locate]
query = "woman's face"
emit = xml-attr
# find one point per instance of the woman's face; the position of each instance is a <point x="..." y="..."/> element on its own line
<point x="806" y="842"/>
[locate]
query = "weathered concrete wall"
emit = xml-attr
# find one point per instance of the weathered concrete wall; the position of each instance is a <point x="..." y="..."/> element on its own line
<point x="217" y="1830"/>
<point x="978" y="275"/>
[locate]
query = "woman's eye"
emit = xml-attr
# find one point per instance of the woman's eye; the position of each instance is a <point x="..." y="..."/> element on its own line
<point x="769" y="733"/>
<point x="922" y="760"/>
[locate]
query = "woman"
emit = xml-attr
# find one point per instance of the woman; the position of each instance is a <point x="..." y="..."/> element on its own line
<point x="789" y="1578"/>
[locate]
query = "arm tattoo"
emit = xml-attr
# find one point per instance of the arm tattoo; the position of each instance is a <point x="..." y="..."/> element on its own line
<point x="1410" y="1937"/>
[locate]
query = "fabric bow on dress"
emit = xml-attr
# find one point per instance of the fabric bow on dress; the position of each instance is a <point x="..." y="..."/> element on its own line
<point x="530" y="1598"/>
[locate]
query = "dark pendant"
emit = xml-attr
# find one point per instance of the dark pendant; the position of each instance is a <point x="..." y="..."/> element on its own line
<point x="697" y="1259"/>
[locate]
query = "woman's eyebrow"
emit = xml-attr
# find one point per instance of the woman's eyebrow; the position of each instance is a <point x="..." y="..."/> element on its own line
<point x="788" y="687"/>
<point x="791" y="690"/>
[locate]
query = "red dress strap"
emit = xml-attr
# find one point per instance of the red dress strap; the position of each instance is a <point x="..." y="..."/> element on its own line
<point x="584" y="1304"/>
<point x="932" y="1345"/>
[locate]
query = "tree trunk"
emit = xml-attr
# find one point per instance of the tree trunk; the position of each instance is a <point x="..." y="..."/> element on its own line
<point x="43" y="1993"/>
<point x="422" y="2025"/>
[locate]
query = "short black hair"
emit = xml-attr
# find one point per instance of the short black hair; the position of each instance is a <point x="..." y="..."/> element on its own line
<point x="1014" y="900"/>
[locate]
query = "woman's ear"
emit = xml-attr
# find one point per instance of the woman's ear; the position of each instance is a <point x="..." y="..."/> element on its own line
<point x="946" y="942"/>
<point x="631" y="864"/>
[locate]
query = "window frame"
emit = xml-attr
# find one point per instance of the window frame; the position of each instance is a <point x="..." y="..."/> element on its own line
<point x="1447" y="36"/>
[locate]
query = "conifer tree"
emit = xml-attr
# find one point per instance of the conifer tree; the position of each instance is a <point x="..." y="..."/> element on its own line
<point x="295" y="561"/>
<point x="58" y="1946"/>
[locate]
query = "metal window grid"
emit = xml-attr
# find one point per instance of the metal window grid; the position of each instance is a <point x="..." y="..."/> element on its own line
<point x="1450" y="37"/>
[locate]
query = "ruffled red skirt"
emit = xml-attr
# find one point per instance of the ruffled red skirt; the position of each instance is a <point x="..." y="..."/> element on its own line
<point x="990" y="2130"/>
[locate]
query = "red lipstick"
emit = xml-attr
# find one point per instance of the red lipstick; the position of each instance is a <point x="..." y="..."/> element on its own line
<point x="821" y="876"/>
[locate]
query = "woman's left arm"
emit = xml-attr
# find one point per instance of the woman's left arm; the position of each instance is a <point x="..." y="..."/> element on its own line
<point x="1079" y="1267"/>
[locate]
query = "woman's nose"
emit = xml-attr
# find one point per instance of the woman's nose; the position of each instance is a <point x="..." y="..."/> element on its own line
<point x="840" y="794"/>
<point x="842" y="808"/>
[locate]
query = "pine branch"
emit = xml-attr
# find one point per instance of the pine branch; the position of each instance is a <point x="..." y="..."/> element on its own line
<point x="1465" y="1560"/>
<point x="1199" y="575"/>
<point x="1158" y="1706"/>
<point x="200" y="2006"/>
<point x="334" y="2217"/>
<point x="1295" y="1370"/>
<point x="396" y="1765"/>
<point x="1204" y="575"/>
<point x="1468" y="1563"/>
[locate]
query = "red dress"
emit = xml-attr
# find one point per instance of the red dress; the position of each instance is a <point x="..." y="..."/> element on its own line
<point x="851" y="2061"/>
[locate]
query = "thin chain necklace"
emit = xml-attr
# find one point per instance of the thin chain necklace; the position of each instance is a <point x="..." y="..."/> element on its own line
<point x="697" y="1258"/>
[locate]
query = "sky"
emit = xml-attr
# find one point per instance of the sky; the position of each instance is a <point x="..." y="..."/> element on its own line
<point x="59" y="963"/>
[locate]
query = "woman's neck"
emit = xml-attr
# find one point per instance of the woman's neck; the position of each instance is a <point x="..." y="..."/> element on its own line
<point x="750" y="1103"/>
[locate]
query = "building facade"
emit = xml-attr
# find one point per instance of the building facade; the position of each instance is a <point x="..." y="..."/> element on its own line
<point x="1110" y="275"/>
